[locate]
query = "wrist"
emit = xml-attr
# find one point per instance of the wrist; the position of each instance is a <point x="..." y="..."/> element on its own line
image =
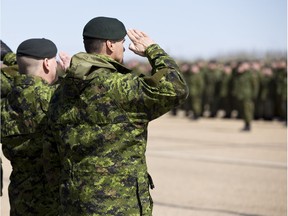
<point x="151" y="48"/>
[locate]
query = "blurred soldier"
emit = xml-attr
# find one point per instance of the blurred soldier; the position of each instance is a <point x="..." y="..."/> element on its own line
<point x="196" y="87"/>
<point x="280" y="76"/>
<point x="99" y="119"/>
<point x="256" y="69"/>
<point x="138" y="67"/>
<point x="225" y="96"/>
<point x="265" y="103"/>
<point x="215" y="106"/>
<point x="211" y="79"/>
<point x="22" y="123"/>
<point x="245" y="89"/>
<point x="186" y="106"/>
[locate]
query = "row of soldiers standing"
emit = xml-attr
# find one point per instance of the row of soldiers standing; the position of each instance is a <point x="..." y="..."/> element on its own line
<point x="255" y="89"/>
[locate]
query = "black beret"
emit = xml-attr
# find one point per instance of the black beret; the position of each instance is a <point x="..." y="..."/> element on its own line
<point x="104" y="28"/>
<point x="39" y="48"/>
<point x="4" y="50"/>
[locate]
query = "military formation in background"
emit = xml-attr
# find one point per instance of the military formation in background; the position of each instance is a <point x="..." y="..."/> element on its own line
<point x="246" y="89"/>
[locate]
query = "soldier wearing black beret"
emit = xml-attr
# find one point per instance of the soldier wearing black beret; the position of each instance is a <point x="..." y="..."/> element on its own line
<point x="38" y="48"/>
<point x="37" y="56"/>
<point x="100" y="114"/>
<point x="23" y="122"/>
<point x="104" y="28"/>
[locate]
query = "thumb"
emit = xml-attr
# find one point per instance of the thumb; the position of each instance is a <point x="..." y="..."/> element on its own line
<point x="132" y="47"/>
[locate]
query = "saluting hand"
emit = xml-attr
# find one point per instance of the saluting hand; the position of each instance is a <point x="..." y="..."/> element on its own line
<point x="140" y="41"/>
<point x="64" y="60"/>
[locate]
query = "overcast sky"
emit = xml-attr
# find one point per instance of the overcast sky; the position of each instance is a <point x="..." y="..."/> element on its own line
<point x="184" y="28"/>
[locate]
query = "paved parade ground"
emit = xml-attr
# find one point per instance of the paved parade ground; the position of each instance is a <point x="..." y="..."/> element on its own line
<point x="210" y="168"/>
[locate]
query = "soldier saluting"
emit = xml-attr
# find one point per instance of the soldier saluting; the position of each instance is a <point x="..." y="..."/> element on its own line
<point x="99" y="119"/>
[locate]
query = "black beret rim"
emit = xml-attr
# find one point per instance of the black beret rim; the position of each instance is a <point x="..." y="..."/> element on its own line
<point x="104" y="28"/>
<point x="38" y="48"/>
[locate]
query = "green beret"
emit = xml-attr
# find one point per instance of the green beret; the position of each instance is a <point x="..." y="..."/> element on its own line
<point x="104" y="28"/>
<point x="39" y="48"/>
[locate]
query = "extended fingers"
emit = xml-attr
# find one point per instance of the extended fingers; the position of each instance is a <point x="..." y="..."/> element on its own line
<point x="135" y="34"/>
<point x="140" y="41"/>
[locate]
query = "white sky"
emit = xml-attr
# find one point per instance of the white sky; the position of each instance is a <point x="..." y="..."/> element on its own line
<point x="184" y="28"/>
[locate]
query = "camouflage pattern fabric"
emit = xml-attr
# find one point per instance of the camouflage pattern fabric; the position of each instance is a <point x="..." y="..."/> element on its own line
<point x="23" y="120"/>
<point x="196" y="88"/>
<point x="210" y="92"/>
<point x="99" y="119"/>
<point x="8" y="72"/>
<point x="225" y="95"/>
<point x="246" y="87"/>
<point x="10" y="59"/>
<point x="280" y="76"/>
<point x="7" y="79"/>
<point x="265" y="105"/>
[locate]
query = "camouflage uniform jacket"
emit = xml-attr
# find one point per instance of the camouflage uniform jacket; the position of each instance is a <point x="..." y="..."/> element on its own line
<point x="245" y="86"/>
<point x="7" y="79"/>
<point x="22" y="121"/>
<point x="99" y="118"/>
<point x="10" y="59"/>
<point x="196" y="85"/>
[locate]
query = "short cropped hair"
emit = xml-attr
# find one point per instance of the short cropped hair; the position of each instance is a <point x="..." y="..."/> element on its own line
<point x="27" y="65"/>
<point x="93" y="45"/>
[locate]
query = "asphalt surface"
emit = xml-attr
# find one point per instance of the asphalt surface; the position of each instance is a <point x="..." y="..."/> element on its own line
<point x="210" y="168"/>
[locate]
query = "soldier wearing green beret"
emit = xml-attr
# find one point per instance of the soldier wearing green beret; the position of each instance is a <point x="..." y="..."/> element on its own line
<point x="23" y="117"/>
<point x="99" y="119"/>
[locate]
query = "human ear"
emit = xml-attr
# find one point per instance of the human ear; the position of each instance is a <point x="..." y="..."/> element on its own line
<point x="110" y="45"/>
<point x="46" y="65"/>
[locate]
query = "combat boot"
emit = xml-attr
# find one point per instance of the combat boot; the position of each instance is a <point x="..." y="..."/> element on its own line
<point x="247" y="127"/>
